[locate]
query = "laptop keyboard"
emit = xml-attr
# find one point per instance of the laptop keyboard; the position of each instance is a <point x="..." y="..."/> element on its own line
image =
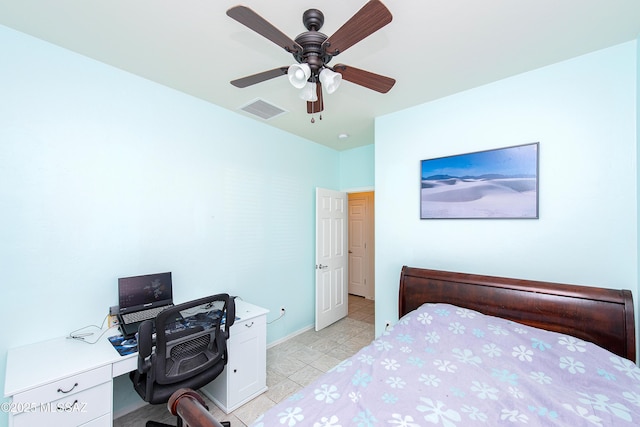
<point x="140" y="316"/>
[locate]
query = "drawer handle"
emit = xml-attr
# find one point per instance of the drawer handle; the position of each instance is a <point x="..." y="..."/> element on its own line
<point x="68" y="391"/>
<point x="67" y="407"/>
<point x="248" y="325"/>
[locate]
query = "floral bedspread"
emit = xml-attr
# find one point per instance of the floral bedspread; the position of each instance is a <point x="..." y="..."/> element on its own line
<point x="449" y="366"/>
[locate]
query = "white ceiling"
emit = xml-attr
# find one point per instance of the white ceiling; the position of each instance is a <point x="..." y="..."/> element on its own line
<point x="433" y="48"/>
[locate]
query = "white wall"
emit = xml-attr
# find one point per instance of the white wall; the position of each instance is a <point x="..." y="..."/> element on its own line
<point x="583" y="113"/>
<point x="104" y="175"/>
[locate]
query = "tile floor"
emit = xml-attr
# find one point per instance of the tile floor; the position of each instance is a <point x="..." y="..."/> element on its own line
<point x="291" y="365"/>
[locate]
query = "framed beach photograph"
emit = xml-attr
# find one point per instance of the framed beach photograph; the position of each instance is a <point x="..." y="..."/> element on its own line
<point x="498" y="183"/>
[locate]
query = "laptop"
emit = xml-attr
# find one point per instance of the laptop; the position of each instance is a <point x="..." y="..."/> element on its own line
<point x="142" y="298"/>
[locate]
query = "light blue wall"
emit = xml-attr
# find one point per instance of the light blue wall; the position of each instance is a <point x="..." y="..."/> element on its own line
<point x="357" y="168"/>
<point x="104" y="174"/>
<point x="583" y="113"/>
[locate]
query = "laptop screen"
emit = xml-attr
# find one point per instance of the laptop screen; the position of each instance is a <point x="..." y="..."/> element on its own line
<point x="139" y="292"/>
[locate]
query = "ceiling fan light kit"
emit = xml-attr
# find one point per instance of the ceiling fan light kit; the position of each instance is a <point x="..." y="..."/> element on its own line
<point x="313" y="50"/>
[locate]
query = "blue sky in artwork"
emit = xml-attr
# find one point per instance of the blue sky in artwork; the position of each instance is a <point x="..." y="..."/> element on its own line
<point x="519" y="160"/>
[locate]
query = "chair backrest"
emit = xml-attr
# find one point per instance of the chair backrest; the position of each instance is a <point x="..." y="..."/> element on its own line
<point x="190" y="347"/>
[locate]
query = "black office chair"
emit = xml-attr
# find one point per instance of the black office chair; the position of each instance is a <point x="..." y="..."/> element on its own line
<point x="190" y="348"/>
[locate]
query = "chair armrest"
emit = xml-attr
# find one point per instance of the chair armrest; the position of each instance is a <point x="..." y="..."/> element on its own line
<point x="231" y="316"/>
<point x="145" y="345"/>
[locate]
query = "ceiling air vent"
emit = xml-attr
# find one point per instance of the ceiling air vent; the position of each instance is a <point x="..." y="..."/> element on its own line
<point x="262" y="109"/>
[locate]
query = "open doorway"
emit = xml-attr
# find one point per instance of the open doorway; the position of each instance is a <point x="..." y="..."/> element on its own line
<point x="361" y="265"/>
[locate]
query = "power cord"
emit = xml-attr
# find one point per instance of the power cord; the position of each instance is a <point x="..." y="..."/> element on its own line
<point x="82" y="336"/>
<point x="282" y="313"/>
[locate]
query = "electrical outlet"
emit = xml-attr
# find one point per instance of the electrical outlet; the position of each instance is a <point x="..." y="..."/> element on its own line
<point x="282" y="311"/>
<point x="113" y="321"/>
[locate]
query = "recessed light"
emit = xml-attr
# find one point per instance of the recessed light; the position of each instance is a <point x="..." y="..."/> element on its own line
<point x="343" y="136"/>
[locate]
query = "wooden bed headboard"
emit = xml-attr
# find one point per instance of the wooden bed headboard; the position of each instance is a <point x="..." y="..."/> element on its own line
<point x="602" y="316"/>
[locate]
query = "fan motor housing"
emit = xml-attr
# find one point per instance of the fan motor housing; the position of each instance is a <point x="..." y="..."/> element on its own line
<point x="312" y="51"/>
<point x="311" y="41"/>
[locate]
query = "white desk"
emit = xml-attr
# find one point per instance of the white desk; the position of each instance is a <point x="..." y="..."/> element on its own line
<point x="65" y="382"/>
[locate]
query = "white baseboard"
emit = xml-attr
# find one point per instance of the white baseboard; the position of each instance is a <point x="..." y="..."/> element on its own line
<point x="288" y="337"/>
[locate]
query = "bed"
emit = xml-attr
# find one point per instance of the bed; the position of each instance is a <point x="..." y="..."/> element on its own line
<point x="481" y="350"/>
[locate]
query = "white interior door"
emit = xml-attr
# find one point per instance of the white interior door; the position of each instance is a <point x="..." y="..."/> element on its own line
<point x="357" y="246"/>
<point x="361" y="244"/>
<point x="331" y="257"/>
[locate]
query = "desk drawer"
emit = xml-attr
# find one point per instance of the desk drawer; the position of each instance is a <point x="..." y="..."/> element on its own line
<point x="250" y="325"/>
<point x="92" y="404"/>
<point x="65" y="387"/>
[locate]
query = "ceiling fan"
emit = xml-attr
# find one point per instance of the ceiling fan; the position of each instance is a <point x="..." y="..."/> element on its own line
<point x="313" y="51"/>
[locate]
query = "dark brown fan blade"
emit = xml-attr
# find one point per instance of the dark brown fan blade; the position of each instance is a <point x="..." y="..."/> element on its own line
<point x="373" y="16"/>
<point x="260" y="77"/>
<point x="364" y="78"/>
<point x="316" y="106"/>
<point x="248" y="17"/>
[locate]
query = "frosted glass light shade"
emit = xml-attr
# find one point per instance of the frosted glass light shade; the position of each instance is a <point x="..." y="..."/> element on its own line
<point x="299" y="74"/>
<point x="330" y="80"/>
<point x="308" y="92"/>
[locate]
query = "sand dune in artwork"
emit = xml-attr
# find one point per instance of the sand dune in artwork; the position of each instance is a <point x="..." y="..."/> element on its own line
<point x="479" y="198"/>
